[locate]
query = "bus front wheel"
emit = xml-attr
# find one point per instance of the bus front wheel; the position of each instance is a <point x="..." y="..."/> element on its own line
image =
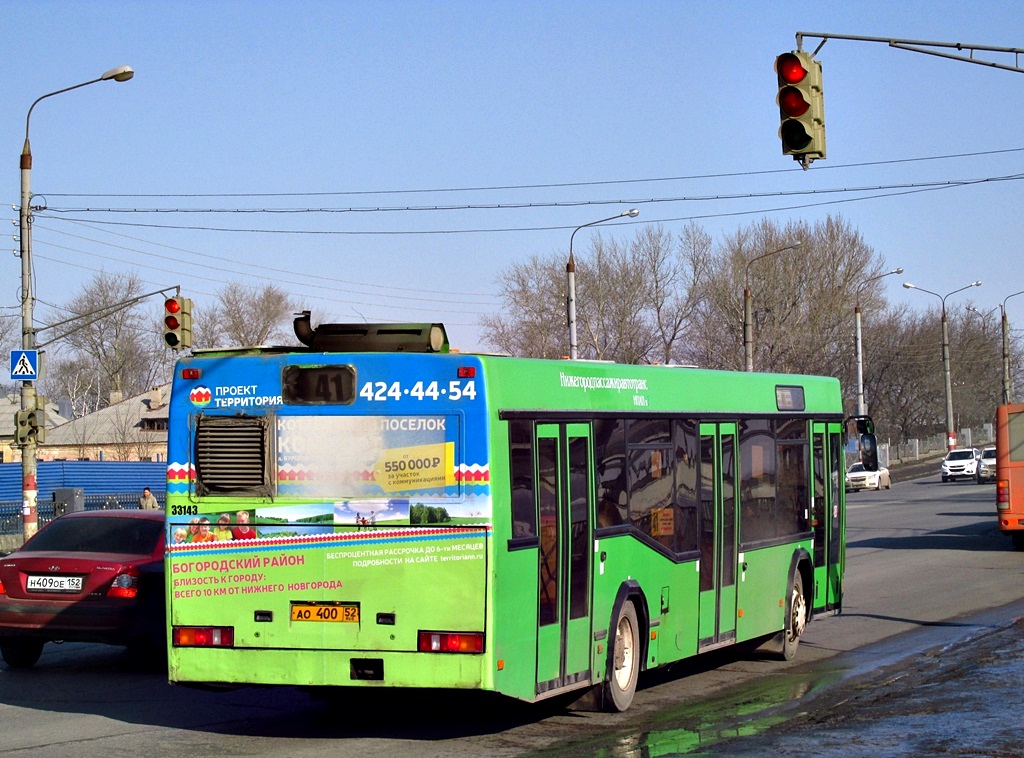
<point x="625" y="661"/>
<point x="796" y="621"/>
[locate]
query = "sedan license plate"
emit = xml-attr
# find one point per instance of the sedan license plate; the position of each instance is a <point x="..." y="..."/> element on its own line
<point x="54" y="583"/>
<point x="346" y="612"/>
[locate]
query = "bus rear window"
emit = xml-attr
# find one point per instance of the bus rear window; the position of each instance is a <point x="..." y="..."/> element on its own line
<point x="1015" y="432"/>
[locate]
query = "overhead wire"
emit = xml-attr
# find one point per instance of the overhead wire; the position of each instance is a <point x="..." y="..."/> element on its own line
<point x="276" y="271"/>
<point x="903" y="190"/>
<point x="563" y="185"/>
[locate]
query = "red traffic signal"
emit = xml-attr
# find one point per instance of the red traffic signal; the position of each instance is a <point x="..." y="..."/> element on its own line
<point x="172" y="307"/>
<point x="178" y="322"/>
<point x="790" y="69"/>
<point x="801" y="106"/>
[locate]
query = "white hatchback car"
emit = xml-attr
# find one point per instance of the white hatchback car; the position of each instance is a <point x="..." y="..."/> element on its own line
<point x="859" y="479"/>
<point x="962" y="463"/>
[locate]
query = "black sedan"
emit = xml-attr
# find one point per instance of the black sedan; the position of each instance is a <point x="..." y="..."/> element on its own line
<point x="93" y="576"/>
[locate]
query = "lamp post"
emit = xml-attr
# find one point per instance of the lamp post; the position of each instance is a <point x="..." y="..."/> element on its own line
<point x="570" y="272"/>
<point x="862" y="407"/>
<point x="950" y="432"/>
<point x="29" y="488"/>
<point x="748" y="345"/>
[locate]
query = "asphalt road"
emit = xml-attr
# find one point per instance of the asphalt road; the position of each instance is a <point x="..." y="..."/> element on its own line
<point x="958" y="698"/>
<point x="924" y="560"/>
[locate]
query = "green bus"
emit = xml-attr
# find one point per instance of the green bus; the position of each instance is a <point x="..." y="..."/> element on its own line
<point x="371" y="509"/>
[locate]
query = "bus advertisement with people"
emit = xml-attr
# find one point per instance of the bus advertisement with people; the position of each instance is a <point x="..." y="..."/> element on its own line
<point x="369" y="509"/>
<point x="1010" y="471"/>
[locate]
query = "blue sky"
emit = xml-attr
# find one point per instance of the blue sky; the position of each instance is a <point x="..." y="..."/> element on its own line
<point x="382" y="112"/>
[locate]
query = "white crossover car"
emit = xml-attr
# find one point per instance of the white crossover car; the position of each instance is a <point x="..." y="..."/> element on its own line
<point x="962" y="463"/>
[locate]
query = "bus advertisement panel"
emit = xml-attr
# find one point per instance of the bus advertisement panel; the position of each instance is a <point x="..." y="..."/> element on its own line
<point x="324" y="524"/>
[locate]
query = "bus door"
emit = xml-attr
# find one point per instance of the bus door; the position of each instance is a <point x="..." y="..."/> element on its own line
<point x="828" y="514"/>
<point x="564" y="499"/>
<point x="718" y="556"/>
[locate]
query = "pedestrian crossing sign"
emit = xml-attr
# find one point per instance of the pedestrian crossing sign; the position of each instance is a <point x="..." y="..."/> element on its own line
<point x="24" y="365"/>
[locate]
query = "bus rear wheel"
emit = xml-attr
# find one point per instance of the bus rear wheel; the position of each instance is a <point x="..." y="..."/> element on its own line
<point x="625" y="662"/>
<point x="1018" y="540"/>
<point x="796" y="621"/>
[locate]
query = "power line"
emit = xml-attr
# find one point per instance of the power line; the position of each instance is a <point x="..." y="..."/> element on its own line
<point x="285" y="281"/>
<point x="548" y="204"/>
<point x="560" y="227"/>
<point x="558" y="185"/>
<point x="448" y="296"/>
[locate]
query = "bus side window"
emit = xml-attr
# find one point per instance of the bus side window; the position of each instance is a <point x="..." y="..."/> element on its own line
<point x="686" y="457"/>
<point x="524" y="499"/>
<point x="610" y="460"/>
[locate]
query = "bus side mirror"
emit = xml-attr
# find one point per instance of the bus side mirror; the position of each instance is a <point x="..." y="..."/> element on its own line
<point x="868" y="444"/>
<point x="869" y="452"/>
<point x="865" y="425"/>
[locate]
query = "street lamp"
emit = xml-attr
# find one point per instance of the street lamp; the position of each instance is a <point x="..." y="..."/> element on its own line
<point x="862" y="408"/>
<point x="950" y="432"/>
<point x="1007" y="394"/>
<point x="748" y="346"/>
<point x="29" y="487"/>
<point x="570" y="271"/>
<point x="1005" y="347"/>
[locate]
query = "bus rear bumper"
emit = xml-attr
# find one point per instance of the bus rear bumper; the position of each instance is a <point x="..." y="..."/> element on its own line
<point x="327" y="668"/>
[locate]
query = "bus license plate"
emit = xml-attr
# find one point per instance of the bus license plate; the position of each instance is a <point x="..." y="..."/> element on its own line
<point x="54" y="584"/>
<point x="325" y="612"/>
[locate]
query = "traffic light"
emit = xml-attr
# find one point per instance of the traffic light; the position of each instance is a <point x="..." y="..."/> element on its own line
<point x="22" y="429"/>
<point x="801" y="106"/>
<point x="178" y="322"/>
<point x="29" y="426"/>
<point x="37" y="425"/>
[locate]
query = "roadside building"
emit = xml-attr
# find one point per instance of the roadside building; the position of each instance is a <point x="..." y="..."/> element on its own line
<point x="10" y="405"/>
<point x="126" y="430"/>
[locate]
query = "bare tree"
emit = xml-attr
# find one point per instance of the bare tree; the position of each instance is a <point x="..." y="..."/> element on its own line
<point x="126" y="434"/>
<point x="533" y="320"/>
<point x="103" y="342"/>
<point x="10" y="331"/>
<point x="612" y="304"/>
<point x="803" y="299"/>
<point x="74" y="379"/>
<point x="247" y="314"/>
<point x="677" y="273"/>
<point x="633" y="300"/>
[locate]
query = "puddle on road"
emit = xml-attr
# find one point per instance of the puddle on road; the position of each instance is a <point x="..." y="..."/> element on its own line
<point x="744" y="713"/>
<point x="697" y="727"/>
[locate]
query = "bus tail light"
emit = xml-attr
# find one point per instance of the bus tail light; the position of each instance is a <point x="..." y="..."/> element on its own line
<point x="467" y="372"/>
<point x="203" y="636"/>
<point x="451" y="642"/>
<point x="191" y="373"/>
<point x="1003" y="495"/>
<point x="125" y="584"/>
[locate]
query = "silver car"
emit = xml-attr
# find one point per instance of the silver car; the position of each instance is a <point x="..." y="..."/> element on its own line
<point x="987" y="465"/>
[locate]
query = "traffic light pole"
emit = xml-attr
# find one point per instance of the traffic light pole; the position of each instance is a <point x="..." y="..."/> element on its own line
<point x="920" y="46"/>
<point x="29" y="487"/>
<point x="99" y="314"/>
